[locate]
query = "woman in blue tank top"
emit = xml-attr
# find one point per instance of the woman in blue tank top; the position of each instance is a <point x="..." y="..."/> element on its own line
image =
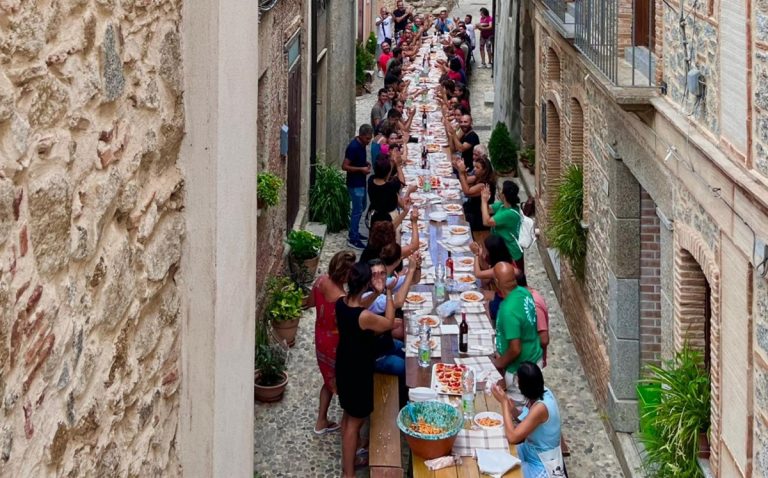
<point x="535" y="430"/>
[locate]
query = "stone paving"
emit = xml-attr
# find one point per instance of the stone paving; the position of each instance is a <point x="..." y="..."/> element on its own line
<point x="284" y="442"/>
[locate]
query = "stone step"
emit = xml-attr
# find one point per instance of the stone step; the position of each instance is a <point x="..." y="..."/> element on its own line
<point x="317" y="229"/>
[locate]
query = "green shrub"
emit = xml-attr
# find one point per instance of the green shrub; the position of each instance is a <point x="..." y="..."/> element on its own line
<point x="565" y="232"/>
<point x="364" y="60"/>
<point x="271" y="362"/>
<point x="502" y="149"/>
<point x="370" y="45"/>
<point x="329" y="199"/>
<point x="268" y="188"/>
<point x="284" y="300"/>
<point x="680" y="416"/>
<point x="528" y="155"/>
<point x="304" y="245"/>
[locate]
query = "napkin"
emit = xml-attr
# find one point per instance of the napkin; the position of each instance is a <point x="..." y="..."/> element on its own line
<point x="447" y="329"/>
<point x="494" y="462"/>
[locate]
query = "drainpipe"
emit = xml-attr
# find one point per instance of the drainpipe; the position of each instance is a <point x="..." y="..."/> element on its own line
<point x="313" y="95"/>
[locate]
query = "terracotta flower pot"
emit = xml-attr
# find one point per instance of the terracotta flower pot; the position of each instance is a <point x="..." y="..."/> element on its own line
<point x="304" y="271"/>
<point x="286" y="330"/>
<point x="268" y="394"/>
<point x="703" y="445"/>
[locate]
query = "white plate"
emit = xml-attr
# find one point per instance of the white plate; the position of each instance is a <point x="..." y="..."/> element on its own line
<point x="411" y="298"/>
<point x="465" y="277"/>
<point x="492" y="415"/>
<point x="438" y="216"/>
<point x="436" y="322"/>
<point x="458" y="230"/>
<point x="464" y="296"/>
<point x="458" y="240"/>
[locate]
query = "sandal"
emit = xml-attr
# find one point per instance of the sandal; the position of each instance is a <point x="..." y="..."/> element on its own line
<point x="332" y="427"/>
<point x="361" y="462"/>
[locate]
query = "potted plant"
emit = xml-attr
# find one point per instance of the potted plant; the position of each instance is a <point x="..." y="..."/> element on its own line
<point x="304" y="255"/>
<point x="565" y="232"/>
<point x="528" y="158"/>
<point x="680" y="418"/>
<point x="284" y="305"/>
<point x="503" y="150"/>
<point x="364" y="61"/>
<point x="268" y="189"/>
<point x="270" y="377"/>
<point x="329" y="199"/>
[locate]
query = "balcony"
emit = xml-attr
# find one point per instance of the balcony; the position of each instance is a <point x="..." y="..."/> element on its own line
<point x="562" y="15"/>
<point x="617" y="37"/>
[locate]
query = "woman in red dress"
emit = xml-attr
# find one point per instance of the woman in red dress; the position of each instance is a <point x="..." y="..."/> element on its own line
<point x="325" y="292"/>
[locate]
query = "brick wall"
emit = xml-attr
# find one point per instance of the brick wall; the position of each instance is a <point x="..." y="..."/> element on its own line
<point x="650" y="281"/>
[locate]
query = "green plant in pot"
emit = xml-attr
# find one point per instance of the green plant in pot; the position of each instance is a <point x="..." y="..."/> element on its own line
<point x="284" y="306"/>
<point x="304" y="255"/>
<point x="270" y="374"/>
<point x="268" y="189"/>
<point x="565" y="232"/>
<point x="528" y="158"/>
<point x="329" y="199"/>
<point x="503" y="150"/>
<point x="678" y="423"/>
<point x="370" y="45"/>
<point x="364" y="60"/>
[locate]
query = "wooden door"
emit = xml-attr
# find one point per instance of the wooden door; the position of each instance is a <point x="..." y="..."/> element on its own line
<point x="293" y="183"/>
<point x="644" y="23"/>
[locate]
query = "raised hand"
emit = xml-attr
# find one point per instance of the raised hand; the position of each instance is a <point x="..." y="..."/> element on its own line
<point x="475" y="248"/>
<point x="485" y="194"/>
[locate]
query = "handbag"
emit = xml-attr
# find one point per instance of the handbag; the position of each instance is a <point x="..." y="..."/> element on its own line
<point x="526" y="234"/>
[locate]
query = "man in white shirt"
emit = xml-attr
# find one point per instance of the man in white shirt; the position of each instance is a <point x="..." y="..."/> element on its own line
<point x="384" y="32"/>
<point x="470" y="31"/>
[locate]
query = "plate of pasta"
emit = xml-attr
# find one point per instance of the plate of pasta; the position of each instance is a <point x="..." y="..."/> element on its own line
<point x="489" y="420"/>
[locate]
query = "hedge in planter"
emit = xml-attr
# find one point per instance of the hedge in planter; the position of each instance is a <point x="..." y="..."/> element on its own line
<point x="329" y="199"/>
<point x="268" y="189"/>
<point x="679" y="418"/>
<point x="502" y="149"/>
<point x="565" y="232"/>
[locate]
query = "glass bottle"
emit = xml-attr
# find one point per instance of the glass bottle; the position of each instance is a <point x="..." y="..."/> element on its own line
<point x="468" y="393"/>
<point x="425" y="351"/>
<point x="449" y="266"/>
<point x="463" y="334"/>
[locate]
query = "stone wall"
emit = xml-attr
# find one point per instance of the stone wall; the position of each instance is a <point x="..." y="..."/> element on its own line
<point x="760" y="310"/>
<point x="91" y="227"/>
<point x="702" y="36"/>
<point x="276" y="27"/>
<point x="760" y="88"/>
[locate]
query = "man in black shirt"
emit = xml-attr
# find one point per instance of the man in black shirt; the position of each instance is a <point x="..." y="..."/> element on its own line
<point x="401" y="15"/>
<point x="357" y="167"/>
<point x="464" y="141"/>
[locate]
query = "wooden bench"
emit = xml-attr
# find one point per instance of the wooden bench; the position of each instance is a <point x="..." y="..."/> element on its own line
<point x="384" y="456"/>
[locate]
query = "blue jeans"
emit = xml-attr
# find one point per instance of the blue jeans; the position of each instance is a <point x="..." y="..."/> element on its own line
<point x="359" y="198"/>
<point x="392" y="362"/>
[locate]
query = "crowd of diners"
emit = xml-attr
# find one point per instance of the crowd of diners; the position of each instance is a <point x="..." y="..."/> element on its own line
<point x="359" y="329"/>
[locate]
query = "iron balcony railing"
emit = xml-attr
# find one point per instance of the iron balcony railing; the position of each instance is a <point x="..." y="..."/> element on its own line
<point x="626" y="61"/>
<point x="597" y="25"/>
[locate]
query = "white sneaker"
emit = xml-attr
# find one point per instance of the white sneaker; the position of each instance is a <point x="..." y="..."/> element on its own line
<point x="380" y="74"/>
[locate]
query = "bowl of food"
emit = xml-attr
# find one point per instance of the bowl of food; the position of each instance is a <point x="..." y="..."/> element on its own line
<point x="430" y="428"/>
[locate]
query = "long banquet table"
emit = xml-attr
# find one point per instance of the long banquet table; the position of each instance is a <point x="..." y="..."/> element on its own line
<point x="417" y="376"/>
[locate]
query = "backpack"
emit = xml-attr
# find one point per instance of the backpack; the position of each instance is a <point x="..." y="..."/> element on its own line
<point x="526" y="235"/>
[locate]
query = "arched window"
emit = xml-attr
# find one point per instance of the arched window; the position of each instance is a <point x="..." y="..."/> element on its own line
<point x="553" y="67"/>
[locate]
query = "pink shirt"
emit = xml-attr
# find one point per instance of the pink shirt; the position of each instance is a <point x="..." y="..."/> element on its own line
<point x="542" y="317"/>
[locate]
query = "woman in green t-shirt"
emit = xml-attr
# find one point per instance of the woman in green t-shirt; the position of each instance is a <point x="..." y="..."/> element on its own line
<point x="505" y="218"/>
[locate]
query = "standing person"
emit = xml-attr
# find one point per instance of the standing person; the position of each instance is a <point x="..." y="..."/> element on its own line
<point x="401" y="15"/>
<point x="384" y="31"/>
<point x="504" y="218"/>
<point x="542" y="315"/>
<point x="470" y="32"/>
<point x="486" y="37"/>
<point x="356" y="355"/>
<point x="357" y="167"/>
<point x="472" y="187"/>
<point x="517" y="339"/>
<point x="536" y="430"/>
<point x="327" y="289"/>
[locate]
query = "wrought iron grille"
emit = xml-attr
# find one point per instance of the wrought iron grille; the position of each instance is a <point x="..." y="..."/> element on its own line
<point x="559" y="8"/>
<point x="597" y="34"/>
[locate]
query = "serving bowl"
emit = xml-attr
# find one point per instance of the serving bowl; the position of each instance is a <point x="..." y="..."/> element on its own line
<point x="434" y="413"/>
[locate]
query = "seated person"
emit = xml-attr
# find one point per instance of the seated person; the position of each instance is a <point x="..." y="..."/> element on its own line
<point x="494" y="252"/>
<point x="384" y="186"/>
<point x="536" y="429"/>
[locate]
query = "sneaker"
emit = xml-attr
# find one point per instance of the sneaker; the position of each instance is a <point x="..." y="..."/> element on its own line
<point x="363" y="238"/>
<point x="358" y="244"/>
